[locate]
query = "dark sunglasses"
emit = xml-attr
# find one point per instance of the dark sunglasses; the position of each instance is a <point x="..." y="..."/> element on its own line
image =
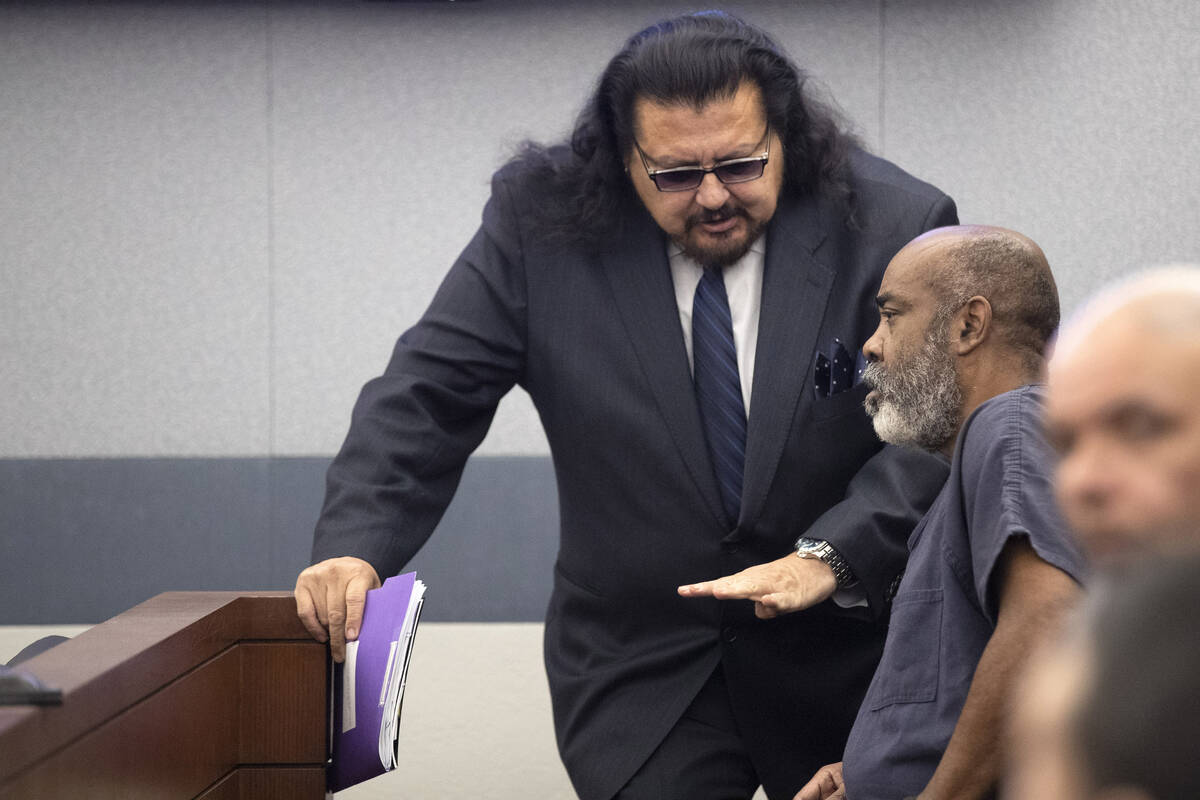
<point x="682" y="179"/>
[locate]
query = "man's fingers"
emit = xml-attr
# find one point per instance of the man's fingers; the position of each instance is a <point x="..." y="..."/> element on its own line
<point x="356" y="601"/>
<point x="731" y="587"/>
<point x="331" y="597"/>
<point x="832" y="785"/>
<point x="764" y="611"/>
<point x="810" y="790"/>
<point x="335" y="600"/>
<point x="702" y="589"/>
<point x="825" y="785"/>
<point x="775" y="604"/>
<point x="306" y="610"/>
<point x="737" y="587"/>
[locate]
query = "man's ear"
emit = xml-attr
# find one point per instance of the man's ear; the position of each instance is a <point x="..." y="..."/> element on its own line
<point x="971" y="326"/>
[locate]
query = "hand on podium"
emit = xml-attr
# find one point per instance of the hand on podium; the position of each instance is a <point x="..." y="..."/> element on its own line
<point x="330" y="597"/>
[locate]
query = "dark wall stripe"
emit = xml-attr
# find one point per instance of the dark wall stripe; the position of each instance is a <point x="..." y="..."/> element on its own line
<point x="82" y="540"/>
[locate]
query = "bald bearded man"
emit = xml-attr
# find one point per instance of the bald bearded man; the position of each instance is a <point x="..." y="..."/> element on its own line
<point x="965" y="317"/>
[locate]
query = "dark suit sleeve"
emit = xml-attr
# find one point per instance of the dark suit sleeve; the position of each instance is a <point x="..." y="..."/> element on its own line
<point x="413" y="427"/>
<point x="883" y="504"/>
<point x="888" y="496"/>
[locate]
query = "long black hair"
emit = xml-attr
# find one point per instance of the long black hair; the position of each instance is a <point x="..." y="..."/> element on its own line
<point x="691" y="59"/>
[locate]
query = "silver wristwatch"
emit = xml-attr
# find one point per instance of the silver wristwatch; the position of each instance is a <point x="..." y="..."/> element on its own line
<point x="823" y="551"/>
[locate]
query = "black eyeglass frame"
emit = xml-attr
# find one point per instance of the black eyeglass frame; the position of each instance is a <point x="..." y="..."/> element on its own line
<point x="700" y="171"/>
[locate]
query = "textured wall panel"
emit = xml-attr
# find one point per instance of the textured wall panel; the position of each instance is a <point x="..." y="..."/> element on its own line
<point x="218" y="217"/>
<point x="1074" y="122"/>
<point x="388" y="122"/>
<point x="221" y="216"/>
<point x="133" y="230"/>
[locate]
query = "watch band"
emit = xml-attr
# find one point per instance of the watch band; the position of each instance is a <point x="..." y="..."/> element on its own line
<point x="825" y="552"/>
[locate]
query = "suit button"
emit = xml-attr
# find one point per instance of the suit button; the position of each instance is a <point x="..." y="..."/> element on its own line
<point x="730" y="634"/>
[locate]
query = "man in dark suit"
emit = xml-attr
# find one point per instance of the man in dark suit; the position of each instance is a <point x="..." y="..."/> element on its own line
<point x="679" y="290"/>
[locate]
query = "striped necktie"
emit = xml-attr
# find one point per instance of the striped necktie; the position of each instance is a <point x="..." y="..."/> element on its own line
<point x="719" y="387"/>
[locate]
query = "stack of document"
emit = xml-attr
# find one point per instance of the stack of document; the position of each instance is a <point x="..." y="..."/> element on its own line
<point x="368" y="688"/>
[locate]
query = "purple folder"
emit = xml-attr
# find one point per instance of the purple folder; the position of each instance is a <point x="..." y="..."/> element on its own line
<point x="369" y="686"/>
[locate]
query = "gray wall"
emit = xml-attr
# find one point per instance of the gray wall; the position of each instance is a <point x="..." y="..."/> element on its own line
<point x="216" y="218"/>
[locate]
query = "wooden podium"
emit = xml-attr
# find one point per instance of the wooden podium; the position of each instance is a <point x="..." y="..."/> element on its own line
<point x="212" y="695"/>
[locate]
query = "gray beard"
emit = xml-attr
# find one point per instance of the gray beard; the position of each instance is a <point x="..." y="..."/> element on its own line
<point x="916" y="404"/>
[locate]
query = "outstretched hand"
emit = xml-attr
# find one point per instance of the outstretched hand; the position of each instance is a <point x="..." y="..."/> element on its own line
<point x="330" y="598"/>
<point x="777" y="587"/>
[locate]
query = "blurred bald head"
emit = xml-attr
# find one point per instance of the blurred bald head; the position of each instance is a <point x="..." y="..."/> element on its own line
<point x="1109" y="709"/>
<point x="1123" y="412"/>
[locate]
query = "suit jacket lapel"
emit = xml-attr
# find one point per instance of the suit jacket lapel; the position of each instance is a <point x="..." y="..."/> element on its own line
<point x="640" y="279"/>
<point x="795" y="291"/>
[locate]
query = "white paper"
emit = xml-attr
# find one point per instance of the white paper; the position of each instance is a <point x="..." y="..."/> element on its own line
<point x="397" y="672"/>
<point x="348" y="669"/>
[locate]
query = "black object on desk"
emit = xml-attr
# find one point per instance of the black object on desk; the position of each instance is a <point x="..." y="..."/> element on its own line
<point x="19" y="688"/>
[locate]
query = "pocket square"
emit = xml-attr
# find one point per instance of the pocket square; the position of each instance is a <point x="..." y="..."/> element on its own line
<point x="841" y="371"/>
<point x="821" y="376"/>
<point x="837" y="372"/>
